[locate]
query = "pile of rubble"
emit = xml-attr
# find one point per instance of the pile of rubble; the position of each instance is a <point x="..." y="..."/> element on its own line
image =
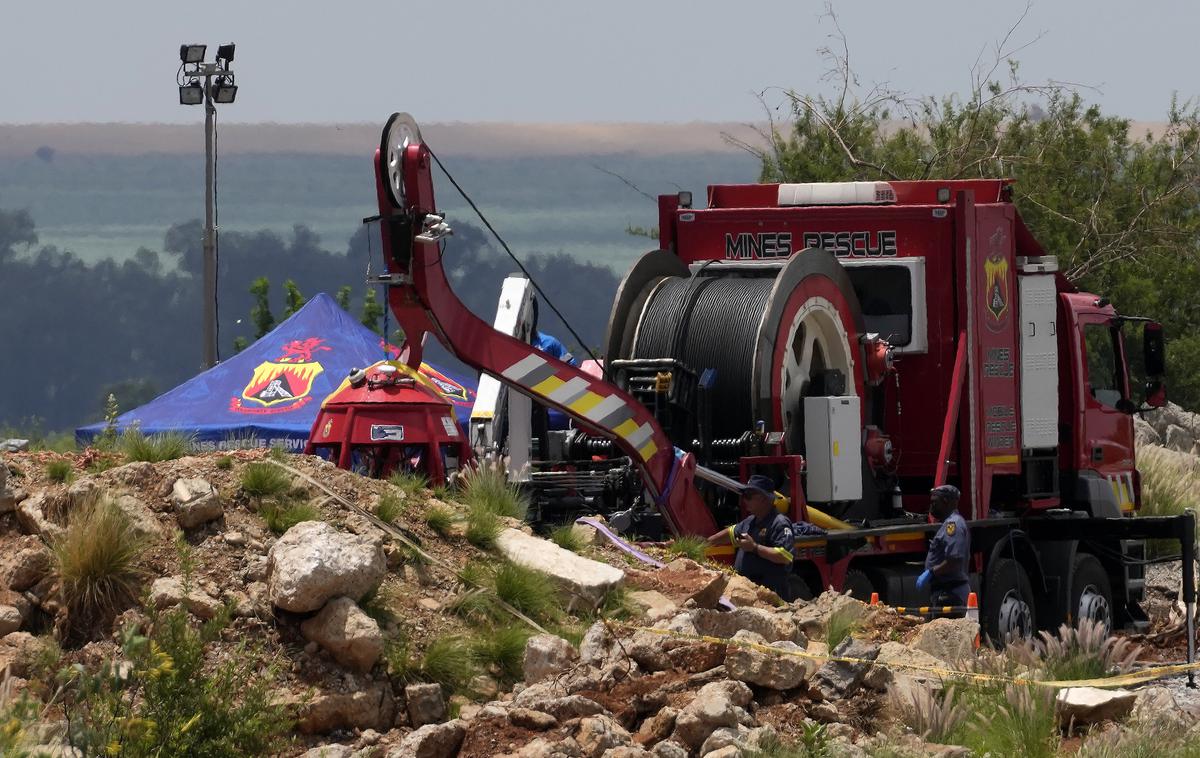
<point x="710" y="665"/>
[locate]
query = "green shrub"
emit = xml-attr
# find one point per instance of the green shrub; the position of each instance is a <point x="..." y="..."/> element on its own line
<point x="154" y="448"/>
<point x="283" y="516"/>
<point x="483" y="527"/>
<point x="503" y="648"/>
<point x="225" y="462"/>
<point x="173" y="701"/>
<point x="451" y="662"/>
<point x="97" y="561"/>
<point x="688" y="546"/>
<point x="439" y="518"/>
<point x="390" y="507"/>
<point x="261" y="479"/>
<point x="567" y="538"/>
<point x="487" y="489"/>
<point x="410" y="483"/>
<point x="60" y="470"/>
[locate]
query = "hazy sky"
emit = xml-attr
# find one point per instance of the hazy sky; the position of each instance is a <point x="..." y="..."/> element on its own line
<point x="521" y="60"/>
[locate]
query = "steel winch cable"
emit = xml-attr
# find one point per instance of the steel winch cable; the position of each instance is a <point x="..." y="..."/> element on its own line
<point x="541" y="293"/>
<point x="710" y="323"/>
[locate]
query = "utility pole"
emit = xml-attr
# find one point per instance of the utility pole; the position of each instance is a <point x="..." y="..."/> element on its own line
<point x="193" y="68"/>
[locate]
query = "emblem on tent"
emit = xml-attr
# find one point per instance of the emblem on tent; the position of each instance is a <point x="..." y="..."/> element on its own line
<point x="283" y="384"/>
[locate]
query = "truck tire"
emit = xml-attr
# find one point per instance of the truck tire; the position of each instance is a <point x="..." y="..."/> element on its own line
<point x="1008" y="602"/>
<point x="859" y="585"/>
<point x="1091" y="592"/>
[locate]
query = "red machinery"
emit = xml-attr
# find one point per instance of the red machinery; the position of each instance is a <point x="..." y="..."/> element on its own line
<point x="389" y="418"/>
<point x="860" y="342"/>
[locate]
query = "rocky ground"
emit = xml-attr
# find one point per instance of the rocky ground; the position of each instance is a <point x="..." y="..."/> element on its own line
<point x="325" y="602"/>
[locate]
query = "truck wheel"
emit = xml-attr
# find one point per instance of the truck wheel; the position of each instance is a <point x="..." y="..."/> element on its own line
<point x="1007" y="602"/>
<point x="859" y="585"/>
<point x="1091" y="593"/>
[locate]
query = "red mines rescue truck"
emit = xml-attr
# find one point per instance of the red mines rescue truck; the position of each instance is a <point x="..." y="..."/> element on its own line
<point x="860" y="343"/>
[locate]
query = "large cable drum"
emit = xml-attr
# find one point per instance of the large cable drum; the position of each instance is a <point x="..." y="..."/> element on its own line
<point x="771" y="333"/>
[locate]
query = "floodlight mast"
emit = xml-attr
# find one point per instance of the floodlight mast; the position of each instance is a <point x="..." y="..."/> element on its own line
<point x="191" y="58"/>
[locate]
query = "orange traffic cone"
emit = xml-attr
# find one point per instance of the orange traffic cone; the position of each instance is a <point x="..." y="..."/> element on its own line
<point x="874" y="598"/>
<point x="973" y="613"/>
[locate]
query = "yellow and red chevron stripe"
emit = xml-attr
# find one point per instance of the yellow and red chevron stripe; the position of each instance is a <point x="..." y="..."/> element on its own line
<point x="592" y="400"/>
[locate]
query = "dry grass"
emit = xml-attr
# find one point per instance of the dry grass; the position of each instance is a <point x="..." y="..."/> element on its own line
<point x="98" y="563"/>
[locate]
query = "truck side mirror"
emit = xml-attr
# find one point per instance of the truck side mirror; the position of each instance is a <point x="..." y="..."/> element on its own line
<point x="1152" y="347"/>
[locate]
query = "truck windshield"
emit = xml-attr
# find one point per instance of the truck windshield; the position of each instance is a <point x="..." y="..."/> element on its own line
<point x="1105" y="378"/>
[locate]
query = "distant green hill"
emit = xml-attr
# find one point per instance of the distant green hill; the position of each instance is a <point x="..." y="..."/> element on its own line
<point x="106" y="206"/>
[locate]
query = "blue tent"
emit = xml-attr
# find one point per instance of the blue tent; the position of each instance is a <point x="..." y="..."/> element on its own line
<point x="269" y="393"/>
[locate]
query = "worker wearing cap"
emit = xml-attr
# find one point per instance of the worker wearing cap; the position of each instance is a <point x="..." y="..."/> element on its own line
<point x="764" y="539"/>
<point x="949" y="551"/>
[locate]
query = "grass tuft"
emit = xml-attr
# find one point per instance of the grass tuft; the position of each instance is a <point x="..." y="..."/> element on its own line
<point x="487" y="489"/>
<point x="283" y="516"/>
<point x="567" y="538"/>
<point x="97" y="560"/>
<point x="390" y="507"/>
<point x="688" y="546"/>
<point x="264" y="480"/>
<point x="409" y="483"/>
<point x="842" y="623"/>
<point x="503" y="649"/>
<point x="483" y="527"/>
<point x="154" y="448"/>
<point x="451" y="662"/>
<point x="60" y="470"/>
<point x="439" y="518"/>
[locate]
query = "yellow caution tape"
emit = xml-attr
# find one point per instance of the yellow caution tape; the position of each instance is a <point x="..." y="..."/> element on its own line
<point x="1118" y="680"/>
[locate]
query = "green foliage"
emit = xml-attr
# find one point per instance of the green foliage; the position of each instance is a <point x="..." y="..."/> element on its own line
<point x="842" y="623"/>
<point x="451" y="662"/>
<point x="173" y="701"/>
<point x="688" y="546"/>
<point x="487" y="488"/>
<point x="372" y="312"/>
<point x="1169" y="483"/>
<point x="1080" y="652"/>
<point x="154" y="448"/>
<point x="503" y="648"/>
<point x="292" y="298"/>
<point x="1116" y="206"/>
<point x="409" y="482"/>
<point x="390" y="507"/>
<point x="107" y="439"/>
<point x="98" y="563"/>
<point x="281" y="516"/>
<point x="260" y="312"/>
<point x="566" y="537"/>
<point x="60" y="470"/>
<point x="224" y="463"/>
<point x="439" y="518"/>
<point x="483" y="527"/>
<point x="261" y="479"/>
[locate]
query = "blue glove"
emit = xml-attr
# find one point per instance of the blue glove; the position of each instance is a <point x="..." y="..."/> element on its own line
<point x="923" y="579"/>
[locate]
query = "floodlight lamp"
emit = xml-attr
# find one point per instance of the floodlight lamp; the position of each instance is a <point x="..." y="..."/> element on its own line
<point x="224" y="91"/>
<point x="225" y="54"/>
<point x="192" y="53"/>
<point x="191" y="93"/>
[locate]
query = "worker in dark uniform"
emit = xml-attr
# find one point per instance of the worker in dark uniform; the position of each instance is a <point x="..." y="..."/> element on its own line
<point x="949" y="551"/>
<point x="764" y="539"/>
